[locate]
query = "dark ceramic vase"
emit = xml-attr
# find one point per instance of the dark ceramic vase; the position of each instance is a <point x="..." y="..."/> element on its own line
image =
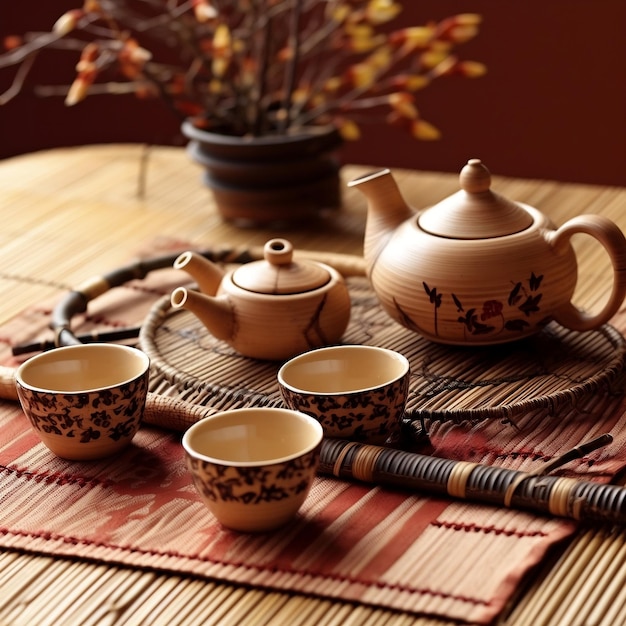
<point x="277" y="178"/>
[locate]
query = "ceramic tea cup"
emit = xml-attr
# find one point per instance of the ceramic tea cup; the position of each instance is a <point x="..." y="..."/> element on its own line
<point x="253" y="467"/>
<point x="356" y="392"/>
<point x="84" y="401"/>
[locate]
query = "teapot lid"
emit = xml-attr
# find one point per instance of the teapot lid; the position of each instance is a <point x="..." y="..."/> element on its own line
<point x="278" y="274"/>
<point x="475" y="212"/>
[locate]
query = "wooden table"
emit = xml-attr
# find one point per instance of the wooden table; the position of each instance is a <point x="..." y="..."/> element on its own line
<point x="71" y="214"/>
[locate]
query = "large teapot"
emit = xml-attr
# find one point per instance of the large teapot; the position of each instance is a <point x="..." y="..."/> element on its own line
<point x="478" y="268"/>
<point x="268" y="309"/>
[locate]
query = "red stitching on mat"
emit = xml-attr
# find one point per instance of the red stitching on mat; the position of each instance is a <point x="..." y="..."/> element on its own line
<point x="58" y="478"/>
<point x="168" y="553"/>
<point x="476" y="528"/>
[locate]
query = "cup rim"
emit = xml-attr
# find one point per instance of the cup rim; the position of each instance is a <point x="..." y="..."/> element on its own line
<point x="51" y="355"/>
<point x="398" y="356"/>
<point x="317" y="427"/>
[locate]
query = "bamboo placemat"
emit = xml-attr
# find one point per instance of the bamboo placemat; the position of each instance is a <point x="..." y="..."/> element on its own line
<point x="351" y="542"/>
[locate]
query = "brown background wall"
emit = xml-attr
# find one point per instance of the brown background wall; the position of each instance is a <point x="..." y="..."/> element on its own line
<point x="553" y="104"/>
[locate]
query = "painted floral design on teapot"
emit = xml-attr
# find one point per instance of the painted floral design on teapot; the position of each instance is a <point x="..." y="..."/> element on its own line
<point x="524" y="300"/>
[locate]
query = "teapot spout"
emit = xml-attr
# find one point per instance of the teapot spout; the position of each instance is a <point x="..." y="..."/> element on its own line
<point x="386" y="210"/>
<point x="214" y="312"/>
<point x="207" y="274"/>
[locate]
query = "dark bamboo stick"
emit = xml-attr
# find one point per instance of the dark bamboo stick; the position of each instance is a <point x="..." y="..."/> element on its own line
<point x="552" y="495"/>
<point x="549" y="495"/>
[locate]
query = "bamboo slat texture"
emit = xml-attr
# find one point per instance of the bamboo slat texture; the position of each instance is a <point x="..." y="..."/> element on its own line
<point x="74" y="213"/>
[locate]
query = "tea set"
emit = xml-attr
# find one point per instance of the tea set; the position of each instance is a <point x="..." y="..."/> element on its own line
<point x="475" y="269"/>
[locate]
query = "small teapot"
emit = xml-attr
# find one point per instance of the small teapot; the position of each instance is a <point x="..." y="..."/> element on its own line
<point x="478" y="268"/>
<point x="270" y="309"/>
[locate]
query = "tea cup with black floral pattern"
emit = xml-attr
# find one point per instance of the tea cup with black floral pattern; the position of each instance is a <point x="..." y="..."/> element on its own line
<point x="85" y="401"/>
<point x="356" y="392"/>
<point x="253" y="467"/>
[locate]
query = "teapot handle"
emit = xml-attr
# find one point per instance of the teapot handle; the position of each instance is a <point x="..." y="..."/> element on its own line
<point x="614" y="242"/>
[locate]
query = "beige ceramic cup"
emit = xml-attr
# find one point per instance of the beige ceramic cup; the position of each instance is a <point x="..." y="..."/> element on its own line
<point x="356" y="392"/>
<point x="253" y="467"/>
<point x="84" y="401"/>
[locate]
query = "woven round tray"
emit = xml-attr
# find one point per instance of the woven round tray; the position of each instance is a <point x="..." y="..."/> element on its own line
<point x="555" y="368"/>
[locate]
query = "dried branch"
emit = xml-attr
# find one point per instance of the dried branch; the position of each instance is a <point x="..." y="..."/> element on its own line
<point x="252" y="66"/>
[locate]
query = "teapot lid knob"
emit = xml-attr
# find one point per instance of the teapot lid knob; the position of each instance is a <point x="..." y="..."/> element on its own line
<point x="475" y="177"/>
<point x="278" y="251"/>
<point x="278" y="273"/>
